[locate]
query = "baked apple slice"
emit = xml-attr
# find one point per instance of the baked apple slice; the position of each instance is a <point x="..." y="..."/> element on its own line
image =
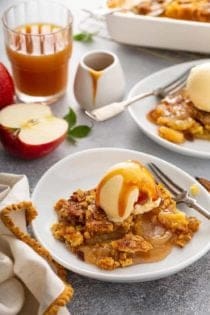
<point x="30" y="131"/>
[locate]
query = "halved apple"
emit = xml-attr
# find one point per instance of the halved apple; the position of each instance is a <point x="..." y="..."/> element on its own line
<point x="30" y="131"/>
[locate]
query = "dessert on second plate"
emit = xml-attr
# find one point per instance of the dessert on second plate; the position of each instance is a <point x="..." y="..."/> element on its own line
<point x="127" y="219"/>
<point x="186" y="115"/>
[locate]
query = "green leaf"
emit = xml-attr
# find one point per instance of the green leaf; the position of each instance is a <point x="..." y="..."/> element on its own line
<point x="71" y="139"/>
<point x="84" y="37"/>
<point x="71" y="118"/>
<point x="80" y="131"/>
<point x="74" y="131"/>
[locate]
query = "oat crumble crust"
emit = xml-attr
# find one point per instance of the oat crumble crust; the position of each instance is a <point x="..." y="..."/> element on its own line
<point x="87" y="232"/>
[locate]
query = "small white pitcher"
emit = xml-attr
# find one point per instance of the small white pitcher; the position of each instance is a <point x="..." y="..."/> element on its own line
<point x="99" y="80"/>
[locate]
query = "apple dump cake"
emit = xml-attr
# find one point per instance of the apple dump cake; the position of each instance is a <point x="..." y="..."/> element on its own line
<point x="127" y="219"/>
<point x="193" y="10"/>
<point x="186" y="115"/>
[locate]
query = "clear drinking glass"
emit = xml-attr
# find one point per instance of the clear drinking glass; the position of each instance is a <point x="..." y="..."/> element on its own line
<point x="38" y="38"/>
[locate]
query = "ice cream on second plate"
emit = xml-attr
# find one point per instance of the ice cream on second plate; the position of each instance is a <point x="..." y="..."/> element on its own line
<point x="125" y="188"/>
<point x="198" y="86"/>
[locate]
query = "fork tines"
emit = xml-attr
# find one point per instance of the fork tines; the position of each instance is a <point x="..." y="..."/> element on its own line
<point x="163" y="178"/>
<point x="181" y="77"/>
<point x="176" y="85"/>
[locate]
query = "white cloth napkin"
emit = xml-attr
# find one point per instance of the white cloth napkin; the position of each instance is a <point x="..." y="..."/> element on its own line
<point x="28" y="283"/>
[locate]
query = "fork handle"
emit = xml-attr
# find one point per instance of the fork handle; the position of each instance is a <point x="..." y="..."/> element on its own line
<point x="137" y="98"/>
<point x="113" y="109"/>
<point x="192" y="203"/>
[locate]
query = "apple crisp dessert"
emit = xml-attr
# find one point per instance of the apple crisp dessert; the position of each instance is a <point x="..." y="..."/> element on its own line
<point x="179" y="120"/>
<point x="193" y="10"/>
<point x="149" y="237"/>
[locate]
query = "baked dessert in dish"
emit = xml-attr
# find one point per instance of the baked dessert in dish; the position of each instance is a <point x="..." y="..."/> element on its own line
<point x="127" y="219"/>
<point x="185" y="116"/>
<point x="193" y="10"/>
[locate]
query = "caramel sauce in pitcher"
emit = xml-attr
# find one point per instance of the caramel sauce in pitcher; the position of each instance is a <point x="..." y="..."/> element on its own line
<point x="95" y="75"/>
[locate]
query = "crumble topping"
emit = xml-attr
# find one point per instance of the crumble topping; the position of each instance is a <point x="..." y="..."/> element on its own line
<point x="87" y="232"/>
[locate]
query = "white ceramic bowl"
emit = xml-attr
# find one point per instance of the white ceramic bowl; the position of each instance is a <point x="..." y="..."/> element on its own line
<point x="159" y="32"/>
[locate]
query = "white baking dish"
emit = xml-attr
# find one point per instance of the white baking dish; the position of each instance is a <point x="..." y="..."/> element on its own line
<point x="159" y="32"/>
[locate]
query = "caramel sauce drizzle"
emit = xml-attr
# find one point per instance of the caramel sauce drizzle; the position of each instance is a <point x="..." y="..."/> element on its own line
<point x="141" y="179"/>
<point x="95" y="75"/>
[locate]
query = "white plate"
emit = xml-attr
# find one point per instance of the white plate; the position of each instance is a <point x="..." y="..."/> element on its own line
<point x="139" y="110"/>
<point x="83" y="170"/>
<point x="159" y="32"/>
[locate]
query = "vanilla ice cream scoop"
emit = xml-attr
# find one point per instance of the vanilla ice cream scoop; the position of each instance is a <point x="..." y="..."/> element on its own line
<point x="125" y="188"/>
<point x="198" y="86"/>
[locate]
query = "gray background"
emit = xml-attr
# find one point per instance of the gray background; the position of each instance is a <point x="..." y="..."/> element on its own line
<point x="188" y="292"/>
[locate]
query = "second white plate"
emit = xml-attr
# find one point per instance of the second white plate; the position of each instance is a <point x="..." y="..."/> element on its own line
<point x="139" y="110"/>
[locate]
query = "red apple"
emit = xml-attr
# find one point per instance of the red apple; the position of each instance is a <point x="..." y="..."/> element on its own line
<point x="30" y="131"/>
<point x="7" y="90"/>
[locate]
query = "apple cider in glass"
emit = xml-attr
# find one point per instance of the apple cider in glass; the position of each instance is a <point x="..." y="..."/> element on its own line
<point x="39" y="52"/>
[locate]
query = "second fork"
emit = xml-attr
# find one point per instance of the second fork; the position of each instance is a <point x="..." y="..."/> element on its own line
<point x="179" y="194"/>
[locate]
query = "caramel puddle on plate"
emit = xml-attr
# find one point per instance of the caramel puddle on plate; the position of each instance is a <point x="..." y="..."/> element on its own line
<point x="161" y="240"/>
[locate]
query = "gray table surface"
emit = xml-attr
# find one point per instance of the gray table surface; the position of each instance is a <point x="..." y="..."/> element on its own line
<point x="187" y="292"/>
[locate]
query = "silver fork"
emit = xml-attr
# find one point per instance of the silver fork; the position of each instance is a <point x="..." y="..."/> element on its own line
<point x="179" y="194"/>
<point x="113" y="109"/>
